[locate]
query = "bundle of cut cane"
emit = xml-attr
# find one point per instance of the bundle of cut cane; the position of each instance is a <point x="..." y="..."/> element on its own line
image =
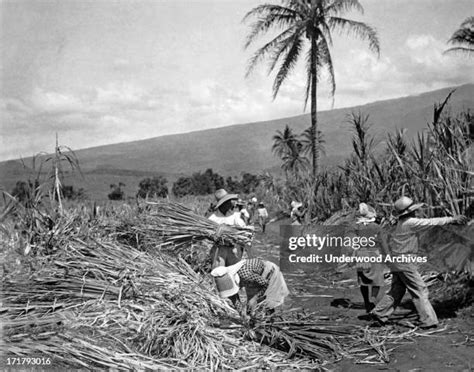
<point x="306" y="336"/>
<point x="176" y="224"/>
<point x="98" y="305"/>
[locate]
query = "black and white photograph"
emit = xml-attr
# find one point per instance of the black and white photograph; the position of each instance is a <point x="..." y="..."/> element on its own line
<point x="210" y="185"/>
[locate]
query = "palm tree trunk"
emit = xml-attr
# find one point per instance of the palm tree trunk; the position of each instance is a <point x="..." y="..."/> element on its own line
<point x="314" y="118"/>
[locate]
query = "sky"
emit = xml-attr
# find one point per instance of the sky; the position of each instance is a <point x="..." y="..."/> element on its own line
<point x="108" y="71"/>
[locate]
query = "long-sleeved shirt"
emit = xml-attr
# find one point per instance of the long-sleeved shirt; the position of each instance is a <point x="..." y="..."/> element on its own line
<point x="232" y="219"/>
<point x="404" y="239"/>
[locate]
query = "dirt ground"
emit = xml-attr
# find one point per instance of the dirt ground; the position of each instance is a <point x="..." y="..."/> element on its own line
<point x="336" y="296"/>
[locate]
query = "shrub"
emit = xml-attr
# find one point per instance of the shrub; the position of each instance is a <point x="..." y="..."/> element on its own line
<point x="153" y="187"/>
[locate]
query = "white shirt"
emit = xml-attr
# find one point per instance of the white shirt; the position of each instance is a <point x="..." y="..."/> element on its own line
<point x="231" y="220"/>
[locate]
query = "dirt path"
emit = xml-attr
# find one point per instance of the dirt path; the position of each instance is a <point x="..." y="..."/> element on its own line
<point x="337" y="297"/>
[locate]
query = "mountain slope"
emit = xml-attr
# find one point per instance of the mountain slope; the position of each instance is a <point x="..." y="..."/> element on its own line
<point x="246" y="147"/>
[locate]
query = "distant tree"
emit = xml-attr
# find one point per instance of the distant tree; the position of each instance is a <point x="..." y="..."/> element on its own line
<point x="463" y="38"/>
<point x="25" y="192"/>
<point x="69" y="192"/>
<point x="307" y="146"/>
<point x="117" y="192"/>
<point x="249" y="183"/>
<point x="207" y="182"/>
<point x="232" y="185"/>
<point x="294" y="161"/>
<point x="283" y="142"/>
<point x="291" y="149"/>
<point x="153" y="187"/>
<point x="183" y="186"/>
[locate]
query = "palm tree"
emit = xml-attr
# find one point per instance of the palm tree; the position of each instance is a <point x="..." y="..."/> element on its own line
<point x="463" y="38"/>
<point x="294" y="161"/>
<point x="283" y="142"/>
<point x="305" y="23"/>
<point x="307" y="142"/>
<point x="289" y="148"/>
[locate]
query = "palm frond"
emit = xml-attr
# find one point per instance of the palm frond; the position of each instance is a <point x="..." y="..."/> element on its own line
<point x="267" y="50"/>
<point x="269" y="16"/>
<point x="462" y="50"/>
<point x="285" y="44"/>
<point x="359" y="29"/>
<point x="288" y="63"/>
<point x="341" y="6"/>
<point x="326" y="61"/>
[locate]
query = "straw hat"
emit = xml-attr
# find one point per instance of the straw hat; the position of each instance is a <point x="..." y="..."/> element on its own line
<point x="222" y="196"/>
<point x="295" y="205"/>
<point x="367" y="211"/>
<point x="405" y="205"/>
<point x="227" y="279"/>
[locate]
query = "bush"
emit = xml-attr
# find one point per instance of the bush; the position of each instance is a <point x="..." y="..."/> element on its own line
<point x="117" y="192"/>
<point x="153" y="187"/>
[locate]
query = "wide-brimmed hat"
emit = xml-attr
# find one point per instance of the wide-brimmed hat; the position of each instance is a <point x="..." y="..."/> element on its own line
<point x="405" y="205"/>
<point x="227" y="280"/>
<point x="367" y="211"/>
<point x="295" y="205"/>
<point x="222" y="196"/>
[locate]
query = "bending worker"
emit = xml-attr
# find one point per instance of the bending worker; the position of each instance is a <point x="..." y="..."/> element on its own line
<point x="263" y="282"/>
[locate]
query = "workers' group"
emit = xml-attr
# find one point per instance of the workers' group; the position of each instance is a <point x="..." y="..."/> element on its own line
<point x="265" y="286"/>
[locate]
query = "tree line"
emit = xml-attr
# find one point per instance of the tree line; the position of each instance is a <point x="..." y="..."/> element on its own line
<point x="199" y="183"/>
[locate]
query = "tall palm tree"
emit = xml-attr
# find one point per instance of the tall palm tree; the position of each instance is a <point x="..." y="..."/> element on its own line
<point x="305" y="23"/>
<point x="463" y="38"/>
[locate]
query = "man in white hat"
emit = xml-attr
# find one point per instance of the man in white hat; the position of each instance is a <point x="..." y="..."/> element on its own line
<point x="223" y="255"/>
<point x="224" y="209"/>
<point x="405" y="275"/>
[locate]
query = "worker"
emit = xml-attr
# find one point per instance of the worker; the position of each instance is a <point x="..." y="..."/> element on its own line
<point x="225" y="254"/>
<point x="370" y="276"/>
<point x="263" y="282"/>
<point x="297" y="213"/>
<point x="403" y="243"/>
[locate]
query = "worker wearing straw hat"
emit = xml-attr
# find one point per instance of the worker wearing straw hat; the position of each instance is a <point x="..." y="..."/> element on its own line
<point x="225" y="255"/>
<point x="297" y="213"/>
<point x="262" y="280"/>
<point x="405" y="276"/>
<point x="370" y="276"/>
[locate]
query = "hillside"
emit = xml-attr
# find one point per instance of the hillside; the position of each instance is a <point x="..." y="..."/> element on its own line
<point x="240" y="148"/>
